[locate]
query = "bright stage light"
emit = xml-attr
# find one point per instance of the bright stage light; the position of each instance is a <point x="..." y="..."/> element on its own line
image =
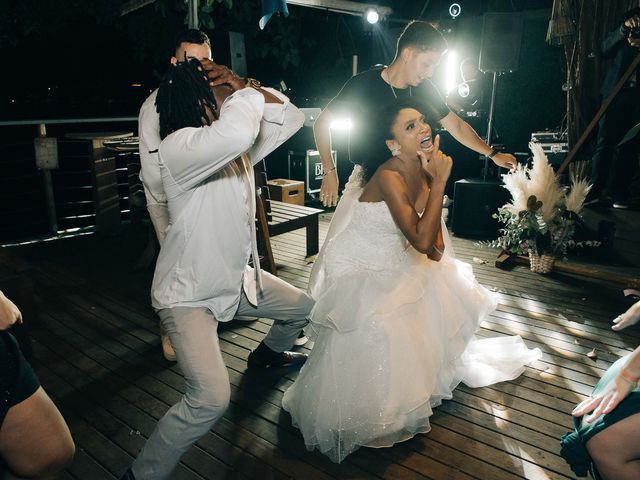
<point x="464" y="90"/>
<point x="372" y="15"/>
<point x="455" y="10"/>
<point x="343" y="124"/>
<point x="452" y="70"/>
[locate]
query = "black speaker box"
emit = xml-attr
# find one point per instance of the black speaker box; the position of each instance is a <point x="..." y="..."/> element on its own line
<point x="500" y="44"/>
<point x="474" y="201"/>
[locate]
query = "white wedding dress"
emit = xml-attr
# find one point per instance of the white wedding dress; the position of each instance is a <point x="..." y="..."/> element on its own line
<point x="394" y="335"/>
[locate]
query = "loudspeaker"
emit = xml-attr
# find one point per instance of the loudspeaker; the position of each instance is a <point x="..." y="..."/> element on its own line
<point x="474" y="201"/>
<point x="500" y="45"/>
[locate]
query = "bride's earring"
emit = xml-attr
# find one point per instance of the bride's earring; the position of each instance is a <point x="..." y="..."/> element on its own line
<point x="395" y="150"/>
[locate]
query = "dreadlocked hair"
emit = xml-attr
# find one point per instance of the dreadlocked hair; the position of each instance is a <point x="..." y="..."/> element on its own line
<point x="183" y="97"/>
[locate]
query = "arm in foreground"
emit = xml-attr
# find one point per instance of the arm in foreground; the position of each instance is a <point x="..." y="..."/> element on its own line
<point x="616" y="391"/>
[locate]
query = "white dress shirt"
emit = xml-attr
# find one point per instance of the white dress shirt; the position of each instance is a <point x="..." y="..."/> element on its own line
<point x="149" y="135"/>
<point x="208" y="180"/>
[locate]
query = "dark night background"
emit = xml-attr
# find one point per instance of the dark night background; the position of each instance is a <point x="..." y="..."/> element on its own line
<point x="79" y="59"/>
<point x="73" y="58"/>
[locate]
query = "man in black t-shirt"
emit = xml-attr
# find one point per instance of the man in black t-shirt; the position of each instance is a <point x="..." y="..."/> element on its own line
<point x="367" y="92"/>
<point x="420" y="47"/>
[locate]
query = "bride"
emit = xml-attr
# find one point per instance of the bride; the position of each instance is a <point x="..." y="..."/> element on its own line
<point x="395" y="312"/>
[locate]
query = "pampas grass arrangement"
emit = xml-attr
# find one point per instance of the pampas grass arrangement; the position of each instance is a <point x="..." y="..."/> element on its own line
<point x="540" y="218"/>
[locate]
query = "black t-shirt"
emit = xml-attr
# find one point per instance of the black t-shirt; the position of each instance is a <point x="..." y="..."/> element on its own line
<point x="367" y="92"/>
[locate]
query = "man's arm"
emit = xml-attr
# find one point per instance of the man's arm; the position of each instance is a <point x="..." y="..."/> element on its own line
<point x="322" y="134"/>
<point x="463" y="133"/>
<point x="149" y="136"/>
<point x="191" y="155"/>
<point x="617" y="36"/>
<point x="281" y="119"/>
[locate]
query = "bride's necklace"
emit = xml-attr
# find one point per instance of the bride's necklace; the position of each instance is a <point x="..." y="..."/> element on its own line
<point x="393" y="90"/>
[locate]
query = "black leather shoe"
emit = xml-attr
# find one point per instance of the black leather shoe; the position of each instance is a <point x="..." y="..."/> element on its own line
<point x="258" y="360"/>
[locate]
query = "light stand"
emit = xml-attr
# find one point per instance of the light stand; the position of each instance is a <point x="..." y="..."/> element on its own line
<point x="490" y="124"/>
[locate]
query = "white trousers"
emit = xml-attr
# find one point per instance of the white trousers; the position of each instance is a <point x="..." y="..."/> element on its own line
<point x="193" y="334"/>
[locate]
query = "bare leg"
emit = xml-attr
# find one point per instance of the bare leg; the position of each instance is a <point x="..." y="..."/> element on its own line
<point x="35" y="441"/>
<point x="616" y="450"/>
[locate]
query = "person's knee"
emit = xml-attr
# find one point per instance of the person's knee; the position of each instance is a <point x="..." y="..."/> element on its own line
<point x="49" y="462"/>
<point x="303" y="305"/>
<point x="211" y="403"/>
<point x="604" y="450"/>
<point x="63" y="455"/>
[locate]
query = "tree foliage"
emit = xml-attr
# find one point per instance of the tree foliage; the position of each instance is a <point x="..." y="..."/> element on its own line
<point x="152" y="28"/>
<point x="23" y="18"/>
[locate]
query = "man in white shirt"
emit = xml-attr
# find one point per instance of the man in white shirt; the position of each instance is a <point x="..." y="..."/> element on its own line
<point x="202" y="276"/>
<point x="189" y="44"/>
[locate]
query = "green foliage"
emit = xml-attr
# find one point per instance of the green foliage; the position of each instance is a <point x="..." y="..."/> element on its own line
<point x="23" y="18"/>
<point x="278" y="43"/>
<point x="523" y="232"/>
<point x="528" y="231"/>
<point x="148" y="27"/>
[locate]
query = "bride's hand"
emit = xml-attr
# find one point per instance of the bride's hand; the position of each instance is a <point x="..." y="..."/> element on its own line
<point x="425" y="157"/>
<point x="437" y="165"/>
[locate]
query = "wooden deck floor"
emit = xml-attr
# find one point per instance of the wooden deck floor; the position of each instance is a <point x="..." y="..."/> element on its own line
<point x="97" y="353"/>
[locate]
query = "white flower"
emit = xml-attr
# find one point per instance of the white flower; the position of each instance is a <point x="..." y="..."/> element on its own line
<point x="551" y="227"/>
<point x="574" y="200"/>
<point x="517" y="183"/>
<point x="544" y="183"/>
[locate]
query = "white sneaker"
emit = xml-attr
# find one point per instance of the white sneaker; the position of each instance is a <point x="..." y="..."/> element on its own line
<point x="301" y="340"/>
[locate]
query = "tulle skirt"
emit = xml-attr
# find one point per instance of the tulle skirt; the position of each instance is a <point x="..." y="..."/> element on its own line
<point x="389" y="347"/>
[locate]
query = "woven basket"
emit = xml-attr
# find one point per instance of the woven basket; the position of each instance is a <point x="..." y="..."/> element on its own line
<point x="541" y="263"/>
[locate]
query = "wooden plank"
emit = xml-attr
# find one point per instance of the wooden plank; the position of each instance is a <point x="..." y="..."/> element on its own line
<point x="148" y="401"/>
<point x="148" y="404"/>
<point x="629" y="281"/>
<point x="98" y="349"/>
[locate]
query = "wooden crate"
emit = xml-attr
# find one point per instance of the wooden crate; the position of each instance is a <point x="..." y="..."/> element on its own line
<point x="287" y="191"/>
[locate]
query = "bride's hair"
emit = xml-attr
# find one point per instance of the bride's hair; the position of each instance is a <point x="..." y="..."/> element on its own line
<point x="374" y="151"/>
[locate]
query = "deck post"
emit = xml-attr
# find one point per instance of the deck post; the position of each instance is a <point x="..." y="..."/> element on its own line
<point x="46" y="160"/>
